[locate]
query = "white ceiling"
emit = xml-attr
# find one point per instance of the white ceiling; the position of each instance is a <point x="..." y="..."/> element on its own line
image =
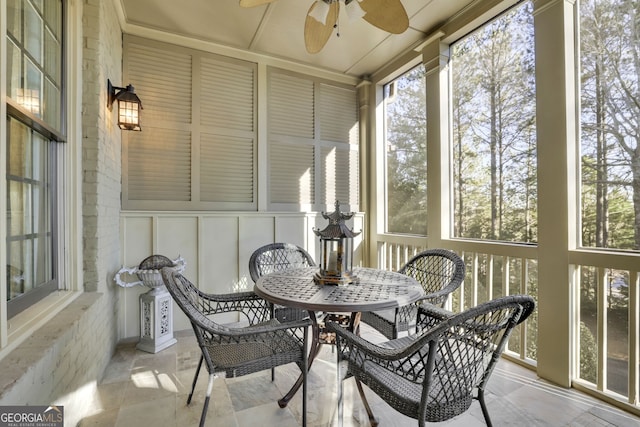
<point x="277" y="29"/>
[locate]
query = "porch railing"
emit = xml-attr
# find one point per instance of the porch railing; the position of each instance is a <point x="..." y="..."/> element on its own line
<point x="607" y="301"/>
<point x="492" y="270"/>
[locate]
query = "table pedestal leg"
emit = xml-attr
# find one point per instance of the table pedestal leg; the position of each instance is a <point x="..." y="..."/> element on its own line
<point x="354" y="326"/>
<point x="313" y="352"/>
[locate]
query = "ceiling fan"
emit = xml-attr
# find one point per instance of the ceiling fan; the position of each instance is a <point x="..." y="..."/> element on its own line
<point x="322" y="17"/>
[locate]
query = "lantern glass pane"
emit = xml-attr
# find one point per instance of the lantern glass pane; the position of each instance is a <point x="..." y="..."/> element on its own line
<point x="128" y="114"/>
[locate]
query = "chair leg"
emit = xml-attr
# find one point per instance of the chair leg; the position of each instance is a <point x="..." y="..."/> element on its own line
<point x="195" y="379"/>
<point x="206" y="400"/>
<point x="340" y="398"/>
<point x="305" y="372"/>
<point x="365" y="402"/>
<point x="483" y="405"/>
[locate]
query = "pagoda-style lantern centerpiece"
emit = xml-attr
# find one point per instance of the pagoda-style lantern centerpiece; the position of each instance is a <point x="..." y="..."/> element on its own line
<point x="336" y="250"/>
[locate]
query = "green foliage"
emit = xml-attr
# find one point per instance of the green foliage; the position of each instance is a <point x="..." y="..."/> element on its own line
<point x="610" y="117"/>
<point x="406" y="139"/>
<point x="588" y="355"/>
<point x="494" y="130"/>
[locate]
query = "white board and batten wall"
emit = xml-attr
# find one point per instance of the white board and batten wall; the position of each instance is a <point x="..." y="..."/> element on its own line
<point x="216" y="248"/>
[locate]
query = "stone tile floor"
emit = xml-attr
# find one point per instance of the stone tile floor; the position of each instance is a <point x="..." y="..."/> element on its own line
<point x="143" y="389"/>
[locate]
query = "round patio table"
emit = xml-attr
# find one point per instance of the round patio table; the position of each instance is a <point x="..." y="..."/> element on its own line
<point x="376" y="290"/>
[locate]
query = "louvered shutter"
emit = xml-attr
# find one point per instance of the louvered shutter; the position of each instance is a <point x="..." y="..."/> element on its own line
<point x="159" y="165"/>
<point x="339" y="130"/>
<point x="338" y="114"/>
<point x="291" y="106"/>
<point x="291" y="132"/>
<point x="184" y="159"/>
<point x="227" y="139"/>
<point x="340" y="175"/>
<point x="159" y="157"/>
<point x="313" y="142"/>
<point x="292" y="173"/>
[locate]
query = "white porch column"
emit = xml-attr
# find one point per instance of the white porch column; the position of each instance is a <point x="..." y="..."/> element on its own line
<point x="556" y="115"/>
<point x="435" y="56"/>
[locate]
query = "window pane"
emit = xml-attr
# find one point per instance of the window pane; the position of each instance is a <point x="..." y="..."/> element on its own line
<point x="53" y="17"/>
<point x="51" y="102"/>
<point x="494" y="134"/>
<point x="52" y="56"/>
<point x="33" y="32"/>
<point x="17" y="270"/>
<point x="34" y="82"/>
<point x="14" y="69"/>
<point x="30" y="96"/>
<point x="29" y="234"/>
<point x="406" y="148"/>
<point x="19" y="208"/>
<point x="610" y="117"/>
<point x="19" y="154"/>
<point x="34" y="60"/>
<point x="14" y="19"/>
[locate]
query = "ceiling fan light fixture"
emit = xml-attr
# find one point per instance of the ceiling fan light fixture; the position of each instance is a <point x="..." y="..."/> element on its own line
<point x="354" y="10"/>
<point x="320" y="11"/>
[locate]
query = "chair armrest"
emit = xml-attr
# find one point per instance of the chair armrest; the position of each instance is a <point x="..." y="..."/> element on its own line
<point x="232" y="296"/>
<point x="437" y="297"/>
<point x="413" y="343"/>
<point x="430" y="315"/>
<point x="274" y="326"/>
<point x="214" y="336"/>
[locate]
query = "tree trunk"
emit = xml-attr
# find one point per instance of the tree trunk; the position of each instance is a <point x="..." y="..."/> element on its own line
<point x="602" y="211"/>
<point x="494" y="160"/>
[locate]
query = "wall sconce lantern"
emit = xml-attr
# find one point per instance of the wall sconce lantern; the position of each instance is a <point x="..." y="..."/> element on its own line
<point x="129" y="106"/>
<point x="336" y="250"/>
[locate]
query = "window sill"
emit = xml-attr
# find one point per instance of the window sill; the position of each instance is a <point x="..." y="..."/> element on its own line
<point x="24" y="324"/>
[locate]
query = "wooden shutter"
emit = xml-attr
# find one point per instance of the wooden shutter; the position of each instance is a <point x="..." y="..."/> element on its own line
<point x="292" y="173"/>
<point x="226" y="169"/>
<point x="197" y="148"/>
<point x="227" y="140"/>
<point x="291" y="106"/>
<point x="163" y="82"/>
<point x="339" y="130"/>
<point x="340" y="175"/>
<point x="291" y="132"/>
<point x="338" y="114"/>
<point x="313" y="142"/>
<point x="158" y="159"/>
<point x="159" y="165"/>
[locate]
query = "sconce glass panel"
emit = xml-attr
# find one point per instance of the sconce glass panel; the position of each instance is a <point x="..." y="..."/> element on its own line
<point x="128" y="115"/>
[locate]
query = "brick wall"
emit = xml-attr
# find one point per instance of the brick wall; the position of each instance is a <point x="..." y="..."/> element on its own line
<point x="62" y="363"/>
<point x="102" y="60"/>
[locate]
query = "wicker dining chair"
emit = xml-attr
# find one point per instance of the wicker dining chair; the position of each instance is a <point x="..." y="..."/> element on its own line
<point x="276" y="257"/>
<point x="236" y="351"/>
<point x="439" y="271"/>
<point x="431" y="376"/>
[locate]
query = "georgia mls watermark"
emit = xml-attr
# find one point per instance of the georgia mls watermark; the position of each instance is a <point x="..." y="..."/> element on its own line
<point x="31" y="416"/>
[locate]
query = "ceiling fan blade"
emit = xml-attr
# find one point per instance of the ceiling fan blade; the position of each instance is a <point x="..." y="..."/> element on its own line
<point x="316" y="34"/>
<point x="253" y="3"/>
<point x="388" y="15"/>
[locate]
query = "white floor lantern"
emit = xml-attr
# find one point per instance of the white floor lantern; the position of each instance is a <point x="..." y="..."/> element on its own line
<point x="156" y="305"/>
